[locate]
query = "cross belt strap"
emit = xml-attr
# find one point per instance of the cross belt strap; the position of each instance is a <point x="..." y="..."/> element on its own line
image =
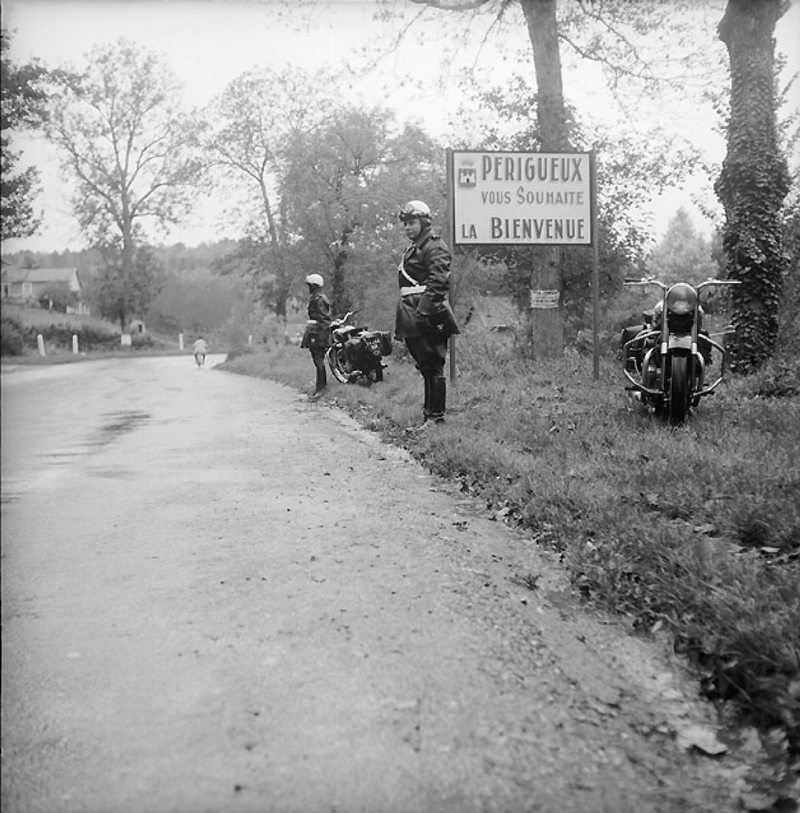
<point x="415" y="289"/>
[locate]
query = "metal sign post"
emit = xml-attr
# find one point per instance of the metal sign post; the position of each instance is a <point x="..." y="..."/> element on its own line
<point x="449" y="239"/>
<point x="595" y="272"/>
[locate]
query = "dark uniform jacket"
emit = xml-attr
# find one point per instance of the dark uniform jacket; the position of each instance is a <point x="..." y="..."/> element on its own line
<point x="319" y="311"/>
<point x="426" y="262"/>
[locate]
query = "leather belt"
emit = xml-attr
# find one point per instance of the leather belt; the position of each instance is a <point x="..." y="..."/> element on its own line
<point x="414" y="289"/>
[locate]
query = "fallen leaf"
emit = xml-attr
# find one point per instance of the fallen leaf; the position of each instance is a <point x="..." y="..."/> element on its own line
<point x="701" y="738"/>
<point x="755" y="802"/>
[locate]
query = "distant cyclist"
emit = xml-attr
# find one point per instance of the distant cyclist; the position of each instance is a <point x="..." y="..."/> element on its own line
<point x="200" y="351"/>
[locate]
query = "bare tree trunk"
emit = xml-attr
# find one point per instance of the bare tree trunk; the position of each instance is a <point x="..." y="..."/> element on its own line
<point x="547" y="326"/>
<point x="128" y="250"/>
<point x="341" y="301"/>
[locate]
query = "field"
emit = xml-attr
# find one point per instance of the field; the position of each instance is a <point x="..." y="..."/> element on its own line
<point x="691" y="532"/>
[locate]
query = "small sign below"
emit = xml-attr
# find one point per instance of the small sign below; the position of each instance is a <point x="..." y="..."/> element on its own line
<point x="544" y="300"/>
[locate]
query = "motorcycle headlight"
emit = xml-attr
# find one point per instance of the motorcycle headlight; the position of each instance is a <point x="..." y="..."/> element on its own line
<point x="681" y="305"/>
<point x="681" y="299"/>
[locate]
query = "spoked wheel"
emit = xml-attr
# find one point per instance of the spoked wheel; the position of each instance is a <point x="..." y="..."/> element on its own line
<point x="679" y="395"/>
<point x="337" y="363"/>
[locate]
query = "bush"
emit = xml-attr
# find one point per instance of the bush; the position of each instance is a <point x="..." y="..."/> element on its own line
<point x="238" y="350"/>
<point x="778" y="378"/>
<point x="12" y="336"/>
<point x="142" y="341"/>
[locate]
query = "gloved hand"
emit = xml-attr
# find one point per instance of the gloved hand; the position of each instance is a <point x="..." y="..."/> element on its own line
<point x="425" y="325"/>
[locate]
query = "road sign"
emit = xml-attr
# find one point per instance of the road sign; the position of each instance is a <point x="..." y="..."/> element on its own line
<point x="521" y="198"/>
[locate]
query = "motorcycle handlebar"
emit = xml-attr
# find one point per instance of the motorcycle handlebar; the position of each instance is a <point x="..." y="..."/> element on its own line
<point x="665" y="287"/>
<point x="344" y="318"/>
<point x="646" y="281"/>
<point x="718" y="282"/>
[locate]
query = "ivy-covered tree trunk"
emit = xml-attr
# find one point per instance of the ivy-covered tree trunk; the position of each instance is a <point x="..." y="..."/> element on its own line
<point x="754" y="181"/>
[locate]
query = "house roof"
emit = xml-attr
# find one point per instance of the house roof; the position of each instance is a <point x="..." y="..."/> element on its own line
<point x="39" y="275"/>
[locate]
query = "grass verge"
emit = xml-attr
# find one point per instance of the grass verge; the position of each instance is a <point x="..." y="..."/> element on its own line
<point x="694" y="530"/>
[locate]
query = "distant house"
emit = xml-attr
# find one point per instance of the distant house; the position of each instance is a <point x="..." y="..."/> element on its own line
<point x="30" y="286"/>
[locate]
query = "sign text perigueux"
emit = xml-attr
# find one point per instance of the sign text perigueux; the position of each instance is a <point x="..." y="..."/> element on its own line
<point x="509" y="198"/>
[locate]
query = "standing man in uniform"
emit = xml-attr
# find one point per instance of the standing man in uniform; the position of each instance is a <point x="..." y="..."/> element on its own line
<point x="424" y="318"/>
<point x="317" y="336"/>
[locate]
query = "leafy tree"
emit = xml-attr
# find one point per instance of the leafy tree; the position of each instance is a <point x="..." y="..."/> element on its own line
<point x="754" y="180"/>
<point x="344" y="186"/>
<point x="123" y="287"/>
<point x="683" y="254"/>
<point x="249" y="128"/>
<point x="133" y="155"/>
<point x="789" y="331"/>
<point x="327" y="180"/>
<point x="193" y="301"/>
<point x="59" y="295"/>
<point x="271" y="271"/>
<point x="23" y="103"/>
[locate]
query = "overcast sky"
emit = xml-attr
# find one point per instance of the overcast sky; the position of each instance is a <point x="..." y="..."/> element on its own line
<point x="209" y="42"/>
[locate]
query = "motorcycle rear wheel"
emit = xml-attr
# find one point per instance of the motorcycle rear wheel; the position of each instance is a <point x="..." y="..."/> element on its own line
<point x="679" y="394"/>
<point x="337" y="363"/>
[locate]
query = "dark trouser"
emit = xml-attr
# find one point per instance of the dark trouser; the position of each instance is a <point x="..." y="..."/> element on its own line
<point x="318" y="355"/>
<point x="430" y="357"/>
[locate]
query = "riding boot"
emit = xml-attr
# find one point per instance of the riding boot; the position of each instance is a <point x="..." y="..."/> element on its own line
<point x="426" y="404"/>
<point x="438" y="401"/>
<point x="321" y="380"/>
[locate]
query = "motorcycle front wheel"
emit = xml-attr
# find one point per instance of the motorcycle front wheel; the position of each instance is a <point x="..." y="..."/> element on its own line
<point x="337" y="363"/>
<point x="679" y="395"/>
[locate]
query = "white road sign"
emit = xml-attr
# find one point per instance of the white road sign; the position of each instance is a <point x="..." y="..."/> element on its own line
<point x="513" y="198"/>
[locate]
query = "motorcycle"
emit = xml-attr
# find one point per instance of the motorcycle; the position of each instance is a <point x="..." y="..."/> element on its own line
<point x="356" y="352"/>
<point x="666" y="358"/>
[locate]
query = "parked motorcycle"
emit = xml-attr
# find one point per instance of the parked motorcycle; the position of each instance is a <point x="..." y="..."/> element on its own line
<point x="666" y="358"/>
<point x="356" y="352"/>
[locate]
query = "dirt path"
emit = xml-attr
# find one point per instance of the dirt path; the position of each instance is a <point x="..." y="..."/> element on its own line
<point x="218" y="597"/>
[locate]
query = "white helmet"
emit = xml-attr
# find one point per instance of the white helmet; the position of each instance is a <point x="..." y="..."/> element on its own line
<point x="415" y="209"/>
<point x="315" y="279"/>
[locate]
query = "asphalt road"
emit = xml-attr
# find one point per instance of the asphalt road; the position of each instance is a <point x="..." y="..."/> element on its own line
<point x="219" y="597"/>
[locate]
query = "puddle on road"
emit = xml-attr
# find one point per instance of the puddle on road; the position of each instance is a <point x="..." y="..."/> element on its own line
<point x="113" y="425"/>
<point x="121" y="422"/>
<point x="113" y="474"/>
